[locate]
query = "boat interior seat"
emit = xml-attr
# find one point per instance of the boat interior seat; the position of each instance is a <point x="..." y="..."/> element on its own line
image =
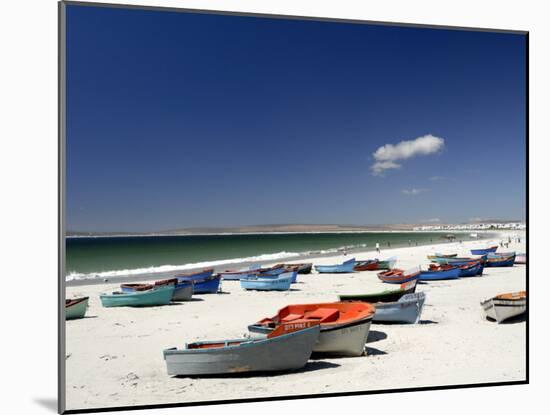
<point x="292" y="317"/>
<point x="324" y="314"/>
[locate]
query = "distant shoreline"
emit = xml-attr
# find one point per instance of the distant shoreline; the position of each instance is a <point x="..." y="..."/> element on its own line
<point x="144" y="235"/>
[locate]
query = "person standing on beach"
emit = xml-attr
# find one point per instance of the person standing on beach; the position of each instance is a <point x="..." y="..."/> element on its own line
<point x="389" y="244"/>
<point x="377" y="247"/>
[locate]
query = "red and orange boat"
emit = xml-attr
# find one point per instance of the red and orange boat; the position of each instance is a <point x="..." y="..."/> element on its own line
<point x="399" y="276"/>
<point x="344" y="325"/>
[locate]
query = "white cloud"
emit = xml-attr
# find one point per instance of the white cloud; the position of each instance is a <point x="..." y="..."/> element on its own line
<point x="386" y="156"/>
<point x="413" y="192"/>
<point x="379" y="167"/>
<point x="437" y="178"/>
<point x="432" y="220"/>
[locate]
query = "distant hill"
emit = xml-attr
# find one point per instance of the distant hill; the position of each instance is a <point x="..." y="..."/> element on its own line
<point x="285" y="228"/>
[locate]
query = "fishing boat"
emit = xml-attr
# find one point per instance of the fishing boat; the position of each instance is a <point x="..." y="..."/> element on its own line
<point x="505" y="306"/>
<point x="272" y="276"/>
<point x="500" y="254"/>
<point x="471" y="270"/>
<point x="131" y="287"/>
<point x="183" y="290"/>
<point x="344" y="325"/>
<point x="304" y="268"/>
<point x="344" y="267"/>
<point x="159" y="296"/>
<point x="202" y="284"/>
<point x="501" y="261"/>
<point x="459" y="261"/>
<point x="387" y="263"/>
<point x="399" y="276"/>
<point x="440" y="272"/>
<point x="407" y="309"/>
<point x="483" y="251"/>
<point x="287" y="348"/>
<point x="76" y="308"/>
<point x="236" y="275"/>
<point x="269" y="283"/>
<point x="367" y="265"/>
<point x="385" y="296"/>
<point x="521" y="258"/>
<point x="438" y="255"/>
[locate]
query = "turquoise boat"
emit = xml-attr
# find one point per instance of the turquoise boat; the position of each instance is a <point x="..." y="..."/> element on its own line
<point x="76" y="308"/>
<point x="148" y="298"/>
<point x="279" y="283"/>
<point x="344" y="267"/>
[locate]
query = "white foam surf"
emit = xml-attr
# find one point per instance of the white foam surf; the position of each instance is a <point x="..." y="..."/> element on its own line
<point x="175" y="268"/>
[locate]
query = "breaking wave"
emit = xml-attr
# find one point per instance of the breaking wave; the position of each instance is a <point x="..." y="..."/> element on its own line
<point x="174" y="268"/>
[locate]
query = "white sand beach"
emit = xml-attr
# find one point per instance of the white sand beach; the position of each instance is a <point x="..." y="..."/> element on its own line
<point x="114" y="355"/>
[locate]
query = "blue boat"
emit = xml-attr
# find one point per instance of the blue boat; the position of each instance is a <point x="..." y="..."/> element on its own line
<point x="279" y="283"/>
<point x="484" y="251"/>
<point x="205" y="273"/>
<point x="501" y="262"/>
<point x="236" y="275"/>
<point x="500" y="254"/>
<point x="146" y="298"/>
<point x="277" y="270"/>
<point x="471" y="270"/>
<point x="344" y="267"/>
<point x="458" y="262"/>
<point x="294" y="276"/>
<point x="439" y="274"/>
<point x="202" y="284"/>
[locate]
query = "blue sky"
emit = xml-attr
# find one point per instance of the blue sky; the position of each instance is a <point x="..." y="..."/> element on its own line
<point x="179" y="120"/>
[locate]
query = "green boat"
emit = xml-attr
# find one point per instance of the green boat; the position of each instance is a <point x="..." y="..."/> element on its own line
<point x="387" y="263"/>
<point x="76" y="308"/>
<point x="149" y="298"/>
<point x="383" y="296"/>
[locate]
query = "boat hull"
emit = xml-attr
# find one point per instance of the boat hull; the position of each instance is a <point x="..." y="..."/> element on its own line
<point x="505" y="262"/>
<point x="346" y="339"/>
<point x="149" y="298"/>
<point x="286" y="352"/>
<point x="471" y="271"/>
<point x="450" y="274"/>
<point x="77" y="310"/>
<point x="203" y="285"/>
<point x="345" y="267"/>
<point x="382" y="297"/>
<point x="502" y="310"/>
<point x="280" y="283"/>
<point x="407" y="310"/>
<point x="369" y="265"/>
<point x="183" y="292"/>
<point x="484" y="251"/>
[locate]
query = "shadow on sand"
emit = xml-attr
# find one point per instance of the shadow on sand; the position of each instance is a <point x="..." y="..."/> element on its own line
<point x="514" y="320"/>
<point x="375" y="335"/>
<point x="309" y="367"/>
<point x="371" y="351"/>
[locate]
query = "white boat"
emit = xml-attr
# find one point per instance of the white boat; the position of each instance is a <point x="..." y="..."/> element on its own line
<point x="505" y="306"/>
<point x="407" y="309"/>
